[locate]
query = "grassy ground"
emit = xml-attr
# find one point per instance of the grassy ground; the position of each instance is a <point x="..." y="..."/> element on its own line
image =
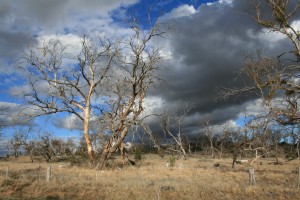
<point x="195" y="178"/>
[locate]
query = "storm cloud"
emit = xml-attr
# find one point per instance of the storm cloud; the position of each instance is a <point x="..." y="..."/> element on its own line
<point x="208" y="48"/>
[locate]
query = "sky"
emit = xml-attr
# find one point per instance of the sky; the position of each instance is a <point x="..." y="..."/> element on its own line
<point x="205" y="47"/>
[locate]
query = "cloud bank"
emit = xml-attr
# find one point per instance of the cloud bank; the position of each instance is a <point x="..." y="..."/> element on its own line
<point x="205" y="47"/>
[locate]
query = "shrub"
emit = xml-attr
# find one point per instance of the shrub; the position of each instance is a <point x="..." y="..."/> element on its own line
<point x="171" y="161"/>
<point x="77" y="160"/>
<point x="8" y="182"/>
<point x="161" y="153"/>
<point x="137" y="154"/>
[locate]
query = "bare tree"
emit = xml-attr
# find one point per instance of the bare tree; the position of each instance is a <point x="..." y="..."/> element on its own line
<point x="206" y="128"/>
<point x="173" y="127"/>
<point x="277" y="16"/>
<point x="58" y="86"/>
<point x="221" y="139"/>
<point x="43" y="146"/>
<point x="34" y="148"/>
<point x="275" y="79"/>
<point x="19" y="139"/>
<point x="57" y="147"/>
<point x="263" y="138"/>
<point x="137" y="70"/>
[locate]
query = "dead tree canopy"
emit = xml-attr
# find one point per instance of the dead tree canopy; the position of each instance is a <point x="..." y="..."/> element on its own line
<point x="117" y="72"/>
<point x="62" y="81"/>
<point x="172" y="125"/>
<point x="274" y="79"/>
<point x="137" y="70"/>
<point x="277" y="16"/>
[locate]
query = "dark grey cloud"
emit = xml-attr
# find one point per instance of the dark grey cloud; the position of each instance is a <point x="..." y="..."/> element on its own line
<point x="55" y="13"/>
<point x="11" y="45"/>
<point x="208" y="49"/>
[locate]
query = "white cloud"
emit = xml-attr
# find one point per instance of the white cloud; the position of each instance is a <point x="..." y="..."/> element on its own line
<point x="153" y="104"/>
<point x="71" y="41"/>
<point x="19" y="90"/>
<point x="226" y="1"/>
<point x="71" y="122"/>
<point x="229" y="2"/>
<point x="230" y="125"/>
<point x="41" y="86"/>
<point x="12" y="114"/>
<point x="255" y="107"/>
<point x="272" y="37"/>
<point x="181" y="11"/>
<point x="296" y="25"/>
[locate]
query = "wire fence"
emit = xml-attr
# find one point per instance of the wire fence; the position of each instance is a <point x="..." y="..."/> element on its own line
<point x="179" y="173"/>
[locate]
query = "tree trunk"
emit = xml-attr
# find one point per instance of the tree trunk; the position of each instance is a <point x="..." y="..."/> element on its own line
<point x="221" y="150"/>
<point x="89" y="145"/>
<point x="298" y="148"/>
<point x="183" y="152"/>
<point x="190" y="149"/>
<point x="109" y="149"/>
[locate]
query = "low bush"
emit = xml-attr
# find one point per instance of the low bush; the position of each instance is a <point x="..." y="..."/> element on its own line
<point x="137" y="154"/>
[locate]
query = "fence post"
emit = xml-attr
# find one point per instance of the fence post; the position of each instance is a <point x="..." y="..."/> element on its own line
<point x="48" y="173"/>
<point x="251" y="177"/>
<point x="6" y="174"/>
<point x="298" y="177"/>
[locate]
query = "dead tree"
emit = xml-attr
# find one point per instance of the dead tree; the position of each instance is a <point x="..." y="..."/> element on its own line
<point x="206" y="129"/>
<point x="274" y="79"/>
<point x="226" y="132"/>
<point x="57" y="84"/>
<point x="173" y="127"/>
<point x="274" y="76"/>
<point x="277" y="16"/>
<point x="137" y="69"/>
<point x="19" y="138"/>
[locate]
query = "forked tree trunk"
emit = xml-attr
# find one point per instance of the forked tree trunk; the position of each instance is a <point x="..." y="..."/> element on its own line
<point x="109" y="149"/>
<point x="103" y="158"/>
<point x="105" y="153"/>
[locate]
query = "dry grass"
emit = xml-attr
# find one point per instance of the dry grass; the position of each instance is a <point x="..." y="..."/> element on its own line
<point x="195" y="178"/>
